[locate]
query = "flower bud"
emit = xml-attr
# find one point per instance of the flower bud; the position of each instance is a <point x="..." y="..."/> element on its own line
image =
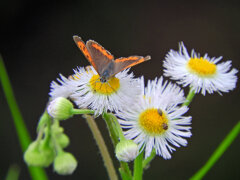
<point x="57" y="129"/>
<point x="60" y="108"/>
<point x="65" y="163"/>
<point x="35" y="155"/>
<point x="126" y="150"/>
<point x="48" y="151"/>
<point x="63" y="140"/>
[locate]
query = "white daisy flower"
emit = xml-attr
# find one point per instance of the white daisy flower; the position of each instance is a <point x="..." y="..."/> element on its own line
<point x="201" y="73"/>
<point x="156" y="121"/>
<point x="65" y="88"/>
<point x="119" y="91"/>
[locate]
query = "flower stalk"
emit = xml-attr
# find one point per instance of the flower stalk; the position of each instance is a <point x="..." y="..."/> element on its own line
<point x="218" y="152"/>
<point x="138" y="168"/>
<point x="102" y="147"/>
<point x="189" y="98"/>
<point x="22" y="132"/>
<point x="111" y="122"/>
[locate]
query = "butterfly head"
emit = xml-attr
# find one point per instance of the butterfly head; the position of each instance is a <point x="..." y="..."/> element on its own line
<point x="107" y="72"/>
<point x="103" y="79"/>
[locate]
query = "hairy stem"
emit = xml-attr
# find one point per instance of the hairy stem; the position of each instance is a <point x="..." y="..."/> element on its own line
<point x="102" y="147"/>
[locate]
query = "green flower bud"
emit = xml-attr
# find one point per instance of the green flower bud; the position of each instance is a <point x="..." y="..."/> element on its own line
<point x="126" y="150"/>
<point x="63" y="140"/>
<point x="65" y="163"/>
<point x="48" y="151"/>
<point x="60" y="108"/>
<point x="35" y="155"/>
<point x="56" y="129"/>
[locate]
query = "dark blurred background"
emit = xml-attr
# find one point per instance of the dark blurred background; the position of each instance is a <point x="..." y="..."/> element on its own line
<point x="36" y="44"/>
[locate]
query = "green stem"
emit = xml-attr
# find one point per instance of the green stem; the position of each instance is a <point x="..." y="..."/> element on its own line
<point x="47" y="137"/>
<point x="117" y="126"/>
<point x="125" y="172"/>
<point x="218" y="152"/>
<point x="138" y="168"/>
<point x="82" y="111"/>
<point x="124" y="175"/>
<point x="111" y="127"/>
<point x="40" y="135"/>
<point x="58" y="149"/>
<point x="22" y="132"/>
<point x="23" y="135"/>
<point x="43" y="120"/>
<point x="147" y="161"/>
<point x="112" y="122"/>
<point x="189" y="98"/>
<point x="13" y="172"/>
<point x="102" y="147"/>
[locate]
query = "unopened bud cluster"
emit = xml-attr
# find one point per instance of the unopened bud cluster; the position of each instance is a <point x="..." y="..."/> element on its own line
<point x="48" y="148"/>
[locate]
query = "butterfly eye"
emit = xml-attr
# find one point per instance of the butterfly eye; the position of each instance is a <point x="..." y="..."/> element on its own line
<point x="103" y="80"/>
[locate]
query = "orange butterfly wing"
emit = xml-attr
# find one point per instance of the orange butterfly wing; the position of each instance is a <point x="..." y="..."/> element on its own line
<point x="127" y="62"/>
<point x="81" y="45"/>
<point x="101" y="57"/>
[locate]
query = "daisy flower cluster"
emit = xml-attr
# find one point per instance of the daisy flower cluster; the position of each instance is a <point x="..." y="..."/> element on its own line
<point x="148" y="118"/>
<point x="152" y="114"/>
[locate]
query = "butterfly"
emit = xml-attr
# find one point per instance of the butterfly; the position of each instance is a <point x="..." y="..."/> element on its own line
<point x="103" y="61"/>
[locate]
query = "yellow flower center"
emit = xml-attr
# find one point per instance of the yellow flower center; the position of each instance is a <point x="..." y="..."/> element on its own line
<point x="107" y="88"/>
<point x="202" y="67"/>
<point x="153" y="121"/>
